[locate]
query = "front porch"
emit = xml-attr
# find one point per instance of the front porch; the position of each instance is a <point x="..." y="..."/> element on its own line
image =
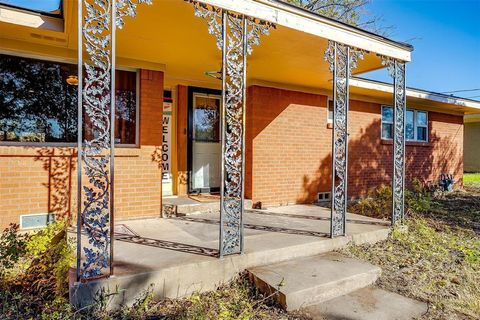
<point x="180" y="255"/>
<point x="236" y="30"/>
<point x="119" y="112"/>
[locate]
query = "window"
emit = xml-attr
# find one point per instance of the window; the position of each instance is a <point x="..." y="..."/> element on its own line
<point x="52" y="7"/>
<point x="421" y="125"/>
<point x="206" y="118"/>
<point x="387" y="123"/>
<point x="125" y="107"/>
<point x="38" y="102"/>
<point x="416" y="125"/>
<point x="330" y="111"/>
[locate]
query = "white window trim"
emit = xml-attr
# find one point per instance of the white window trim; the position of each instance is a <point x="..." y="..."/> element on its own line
<point x="329" y="121"/>
<point x="415" y="125"/>
<point x="75" y="144"/>
<point x="382" y="122"/>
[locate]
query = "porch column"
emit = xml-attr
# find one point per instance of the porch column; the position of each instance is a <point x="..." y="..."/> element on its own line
<point x="397" y="70"/>
<point x="342" y="60"/>
<point x="236" y="34"/>
<point x="97" y="22"/>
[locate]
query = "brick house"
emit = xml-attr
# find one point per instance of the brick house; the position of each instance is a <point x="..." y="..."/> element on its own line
<point x="168" y="105"/>
<point x="110" y="110"/>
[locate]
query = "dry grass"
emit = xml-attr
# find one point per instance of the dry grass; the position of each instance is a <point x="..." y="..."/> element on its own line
<point x="237" y="300"/>
<point x="437" y="260"/>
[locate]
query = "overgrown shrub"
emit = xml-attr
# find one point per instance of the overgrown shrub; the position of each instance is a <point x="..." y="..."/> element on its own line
<point x="378" y="202"/>
<point x="418" y="199"/>
<point x="12" y="248"/>
<point x="34" y="286"/>
<point x="35" y="274"/>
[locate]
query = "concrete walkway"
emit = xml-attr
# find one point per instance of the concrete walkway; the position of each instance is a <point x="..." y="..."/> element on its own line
<point x="179" y="255"/>
<point x="368" y="304"/>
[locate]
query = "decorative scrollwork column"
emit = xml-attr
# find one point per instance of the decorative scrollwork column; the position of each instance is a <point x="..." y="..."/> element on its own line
<point x="397" y="70"/>
<point x="236" y="34"/>
<point x="96" y="112"/>
<point x="342" y="60"/>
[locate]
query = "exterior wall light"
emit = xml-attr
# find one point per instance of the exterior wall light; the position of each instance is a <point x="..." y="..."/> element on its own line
<point x="72" y="80"/>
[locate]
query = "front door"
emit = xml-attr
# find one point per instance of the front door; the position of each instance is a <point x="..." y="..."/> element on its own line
<point x="205" y="140"/>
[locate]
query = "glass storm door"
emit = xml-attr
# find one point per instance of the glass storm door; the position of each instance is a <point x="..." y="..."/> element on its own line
<point x="206" y="143"/>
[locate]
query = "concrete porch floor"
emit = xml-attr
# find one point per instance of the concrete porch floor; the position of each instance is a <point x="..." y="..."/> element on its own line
<point x="180" y="255"/>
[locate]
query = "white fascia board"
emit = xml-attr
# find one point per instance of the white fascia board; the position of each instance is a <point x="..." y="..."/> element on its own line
<point x="415" y="93"/>
<point x="288" y="16"/>
<point x="30" y="19"/>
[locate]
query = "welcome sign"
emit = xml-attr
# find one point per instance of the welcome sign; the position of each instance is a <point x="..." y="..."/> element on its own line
<point x="166" y="143"/>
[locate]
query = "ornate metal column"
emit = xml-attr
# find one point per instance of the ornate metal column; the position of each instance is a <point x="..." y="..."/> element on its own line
<point x="236" y="34"/>
<point x="342" y="59"/>
<point x="397" y="69"/>
<point x="96" y="112"/>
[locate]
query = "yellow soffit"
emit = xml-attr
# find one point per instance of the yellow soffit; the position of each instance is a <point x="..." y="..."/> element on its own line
<point x="168" y="32"/>
<point x="167" y="36"/>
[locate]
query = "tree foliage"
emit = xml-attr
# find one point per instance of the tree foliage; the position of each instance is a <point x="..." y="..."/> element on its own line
<point x="352" y="12"/>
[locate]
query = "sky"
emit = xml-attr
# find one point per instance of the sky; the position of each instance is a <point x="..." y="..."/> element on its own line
<point x="446" y="39"/>
<point x="40" y="5"/>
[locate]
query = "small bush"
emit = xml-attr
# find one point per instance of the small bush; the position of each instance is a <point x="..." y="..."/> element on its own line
<point x="378" y="203"/>
<point x="418" y="199"/>
<point x="35" y="274"/>
<point x="12" y="248"/>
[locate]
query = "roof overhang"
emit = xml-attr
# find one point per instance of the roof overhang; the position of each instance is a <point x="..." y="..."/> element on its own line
<point x="168" y="36"/>
<point x="302" y="20"/>
<point x="418" y="97"/>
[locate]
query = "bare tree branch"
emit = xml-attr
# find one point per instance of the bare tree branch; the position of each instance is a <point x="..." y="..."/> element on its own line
<point x="353" y="12"/>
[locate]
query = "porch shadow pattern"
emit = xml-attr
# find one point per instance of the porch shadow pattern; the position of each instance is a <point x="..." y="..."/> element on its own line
<point x="126" y="234"/>
<point x="168" y="245"/>
<point x="260" y="227"/>
<point x="59" y="164"/>
<point x="310" y="217"/>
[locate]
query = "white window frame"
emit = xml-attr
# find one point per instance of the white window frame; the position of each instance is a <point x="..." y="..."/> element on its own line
<point x="415" y="125"/>
<point x="330" y="120"/>
<point x="387" y="122"/>
<point x="75" y="144"/>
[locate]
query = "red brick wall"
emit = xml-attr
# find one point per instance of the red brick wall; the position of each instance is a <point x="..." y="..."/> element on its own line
<point x="40" y="180"/>
<point x="288" y="155"/>
<point x="287" y="146"/>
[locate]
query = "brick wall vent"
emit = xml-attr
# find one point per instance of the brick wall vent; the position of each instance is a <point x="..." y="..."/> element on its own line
<point x="323" y="196"/>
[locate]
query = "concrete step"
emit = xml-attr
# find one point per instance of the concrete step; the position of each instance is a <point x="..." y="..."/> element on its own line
<point x="312" y="280"/>
<point x="368" y="304"/>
